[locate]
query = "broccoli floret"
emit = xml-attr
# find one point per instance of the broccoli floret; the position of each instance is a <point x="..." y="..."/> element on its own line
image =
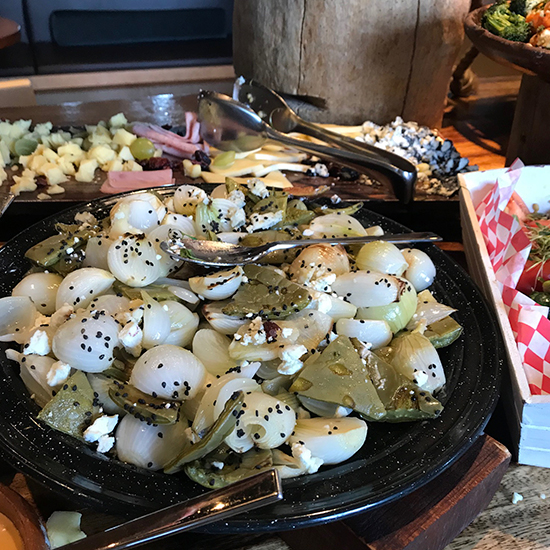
<point x="499" y="20"/>
<point x="523" y="7"/>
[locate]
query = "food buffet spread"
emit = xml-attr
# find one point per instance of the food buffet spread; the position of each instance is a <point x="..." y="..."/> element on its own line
<point x="359" y="372"/>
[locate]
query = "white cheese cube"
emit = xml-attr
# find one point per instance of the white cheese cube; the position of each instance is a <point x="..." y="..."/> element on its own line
<point x="125" y="154"/>
<point x="118" y="120"/>
<point x="132" y="166"/>
<point x="50" y="155"/>
<point x="123" y="137"/>
<point x="102" y="153"/>
<point x="55" y="175"/>
<point x="113" y="166"/>
<point x="36" y="162"/>
<point x="55" y="190"/>
<point x="66" y="165"/>
<point x="86" y="170"/>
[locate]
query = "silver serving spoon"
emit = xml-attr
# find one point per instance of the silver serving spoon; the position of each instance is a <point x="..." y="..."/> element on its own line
<point x="221" y="254"/>
<point x="242" y="496"/>
<point x="232" y="126"/>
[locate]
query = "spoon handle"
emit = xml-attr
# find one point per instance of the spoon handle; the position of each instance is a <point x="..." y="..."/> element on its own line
<point x="248" y="494"/>
<point x="425" y="237"/>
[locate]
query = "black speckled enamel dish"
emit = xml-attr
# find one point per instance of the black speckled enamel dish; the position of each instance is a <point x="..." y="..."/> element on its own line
<point x="395" y="460"/>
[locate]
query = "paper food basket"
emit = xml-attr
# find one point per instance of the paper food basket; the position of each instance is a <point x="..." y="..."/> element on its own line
<point x="528" y="414"/>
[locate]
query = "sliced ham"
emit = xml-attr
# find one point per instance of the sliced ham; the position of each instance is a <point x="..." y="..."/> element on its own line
<point x="192" y="127"/>
<point x="171" y="143"/>
<point x="120" y="182"/>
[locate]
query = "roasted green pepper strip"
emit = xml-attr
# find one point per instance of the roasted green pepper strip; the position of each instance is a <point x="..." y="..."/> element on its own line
<point x="268" y="294"/>
<point x="49" y="251"/>
<point x="443" y="333"/>
<point x="144" y="406"/>
<point x="337" y="375"/>
<point x="223" y="426"/>
<point x="70" y="410"/>
<point x="235" y="466"/>
<point x="403" y="400"/>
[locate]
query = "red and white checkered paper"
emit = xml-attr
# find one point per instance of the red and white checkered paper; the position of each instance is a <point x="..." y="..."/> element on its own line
<point x="508" y="248"/>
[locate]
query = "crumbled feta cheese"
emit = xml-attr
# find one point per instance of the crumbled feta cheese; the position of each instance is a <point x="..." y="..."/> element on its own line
<point x="58" y="373"/>
<point x="85" y="217"/>
<point x="238" y="219"/>
<point x="130" y="337"/>
<point x="287" y="332"/>
<point x="39" y="344"/>
<point x="290" y="357"/>
<point x="105" y="443"/>
<point x="323" y="283"/>
<point x="258" y="188"/>
<point x="420" y="377"/>
<point x="543" y="496"/>
<point x="255" y="334"/>
<point x="264" y="221"/>
<point x="309" y="463"/>
<point x="516" y="497"/>
<point x="321" y="170"/>
<point x="103" y="425"/>
<point x="335" y="199"/>
<point x="60" y="316"/>
<point x="237" y="197"/>
<point x="324" y="302"/>
<point x="217" y="464"/>
<point x="308" y="232"/>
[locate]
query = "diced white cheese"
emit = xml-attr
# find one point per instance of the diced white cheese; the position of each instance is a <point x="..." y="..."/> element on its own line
<point x="118" y="120"/>
<point x="86" y="170"/>
<point x="123" y="137"/>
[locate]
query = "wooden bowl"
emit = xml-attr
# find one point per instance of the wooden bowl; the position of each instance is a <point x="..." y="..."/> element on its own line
<point x="25" y="519"/>
<point x="522" y="57"/>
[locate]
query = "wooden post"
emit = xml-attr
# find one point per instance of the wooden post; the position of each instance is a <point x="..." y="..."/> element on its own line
<point x="367" y="59"/>
<point x="529" y="134"/>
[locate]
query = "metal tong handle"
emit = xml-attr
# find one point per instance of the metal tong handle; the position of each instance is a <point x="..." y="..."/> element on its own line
<point x="360" y="159"/>
<point x="248" y="494"/>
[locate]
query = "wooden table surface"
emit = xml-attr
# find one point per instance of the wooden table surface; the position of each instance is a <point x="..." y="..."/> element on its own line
<point x="479" y="127"/>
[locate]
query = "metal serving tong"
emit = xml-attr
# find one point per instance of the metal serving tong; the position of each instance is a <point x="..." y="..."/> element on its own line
<point x="222" y="254"/>
<point x="242" y="496"/>
<point x="232" y="126"/>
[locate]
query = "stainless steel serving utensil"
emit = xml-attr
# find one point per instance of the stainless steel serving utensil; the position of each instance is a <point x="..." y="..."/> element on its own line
<point x="242" y="496"/>
<point x="221" y="254"/>
<point x="232" y="126"/>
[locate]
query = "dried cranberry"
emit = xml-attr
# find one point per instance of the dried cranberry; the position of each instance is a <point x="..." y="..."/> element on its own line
<point x="201" y="158"/>
<point x="271" y="330"/>
<point x="155" y="163"/>
<point x="41" y="181"/>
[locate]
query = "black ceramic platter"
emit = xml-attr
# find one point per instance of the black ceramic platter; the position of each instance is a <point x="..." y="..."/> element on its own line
<point x="395" y="460"/>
